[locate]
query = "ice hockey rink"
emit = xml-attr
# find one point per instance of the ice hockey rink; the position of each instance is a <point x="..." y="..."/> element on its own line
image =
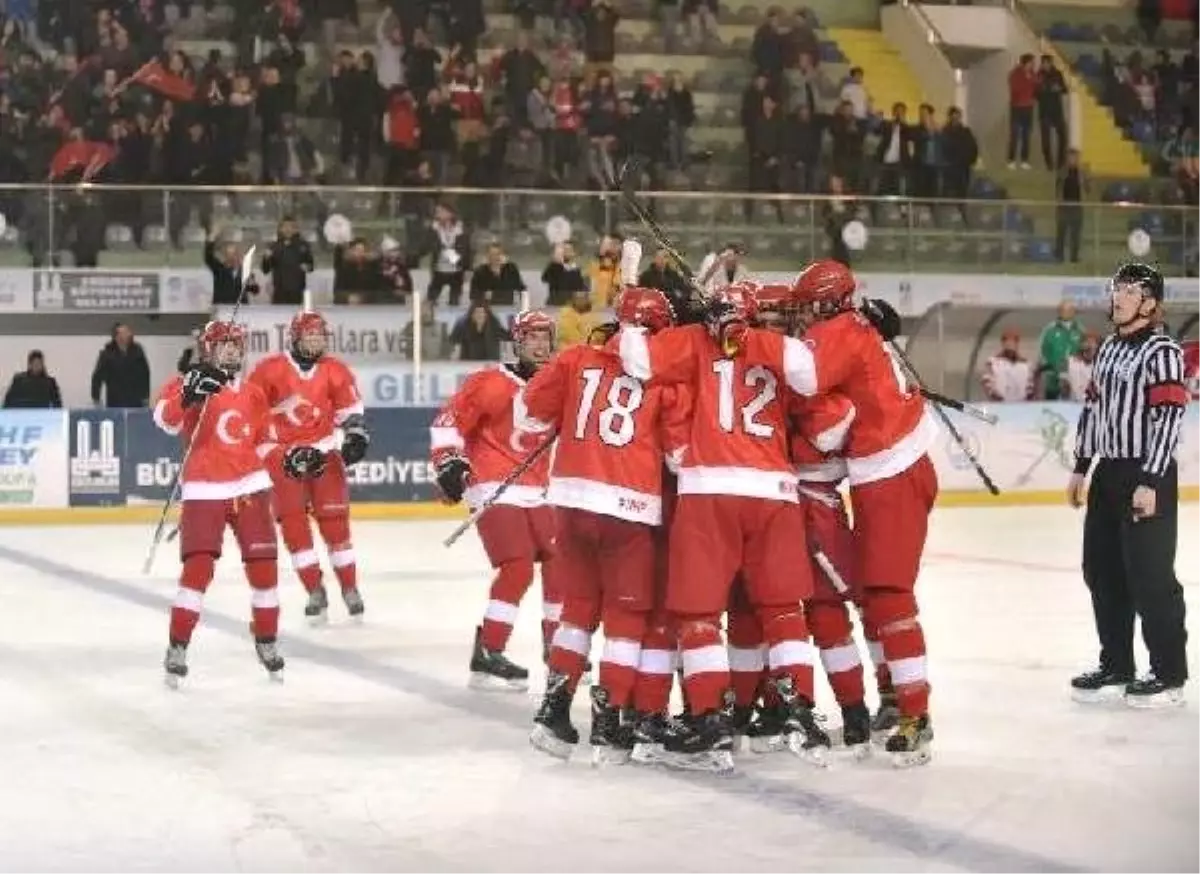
<point x="373" y="755"/>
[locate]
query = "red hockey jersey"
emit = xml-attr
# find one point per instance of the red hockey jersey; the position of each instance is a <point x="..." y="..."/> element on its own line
<point x="614" y="433"/>
<point x="307" y="406"/>
<point x="477" y="422"/>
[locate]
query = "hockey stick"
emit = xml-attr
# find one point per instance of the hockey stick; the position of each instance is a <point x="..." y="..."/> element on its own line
<point x="177" y="480"/>
<point x="513" y="476"/>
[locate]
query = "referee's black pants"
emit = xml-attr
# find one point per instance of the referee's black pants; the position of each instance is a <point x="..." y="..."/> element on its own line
<point x="1129" y="568"/>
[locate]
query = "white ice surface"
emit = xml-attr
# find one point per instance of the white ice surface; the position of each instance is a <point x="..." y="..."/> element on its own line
<point x="374" y="756"/>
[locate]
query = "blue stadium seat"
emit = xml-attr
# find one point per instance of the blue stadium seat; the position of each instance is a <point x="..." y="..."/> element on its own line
<point x="1040" y="250"/>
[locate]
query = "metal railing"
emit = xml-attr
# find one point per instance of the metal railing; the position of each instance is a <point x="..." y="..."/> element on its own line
<point x="127" y="227"/>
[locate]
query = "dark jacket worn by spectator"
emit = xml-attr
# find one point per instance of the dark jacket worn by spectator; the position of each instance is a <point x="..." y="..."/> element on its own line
<point x="498" y="285"/>
<point x="226" y="273"/>
<point x="600" y="33"/>
<point x="477" y="335"/>
<point x="288" y="262"/>
<point x="123" y="373"/>
<point x="357" y="276"/>
<point x="33" y="388"/>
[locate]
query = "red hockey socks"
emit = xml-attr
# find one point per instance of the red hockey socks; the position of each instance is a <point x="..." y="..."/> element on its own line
<point x="263" y="576"/>
<point x="834" y="638"/>
<point x="335" y="531"/>
<point x="657" y="662"/>
<point x="297" y="537"/>
<point x="572" y="640"/>
<point x="623" y="632"/>
<point x="513" y="579"/>
<point x="189" y="599"/>
<point x="789" y="651"/>
<point x="553" y="593"/>
<point x="747" y="656"/>
<point x="894" y="616"/>
<point x="705" y="663"/>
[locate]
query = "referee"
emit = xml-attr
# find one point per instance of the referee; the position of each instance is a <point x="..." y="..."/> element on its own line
<point x="1130" y="427"/>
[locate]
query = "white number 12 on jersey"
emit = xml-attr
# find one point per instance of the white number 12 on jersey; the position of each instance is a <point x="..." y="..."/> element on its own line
<point x="757" y="377"/>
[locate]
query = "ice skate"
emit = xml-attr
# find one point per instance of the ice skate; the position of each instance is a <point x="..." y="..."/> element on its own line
<point x="887" y="717"/>
<point x="317" y="608"/>
<point x="1100" y="686"/>
<point x="765" y="734"/>
<point x="553" y="732"/>
<point x="856" y="730"/>
<point x="175" y="664"/>
<point x="269" y="657"/>
<point x="492" y="671"/>
<point x="352" y="598"/>
<point x="1150" y="693"/>
<point x="649" y="730"/>
<point x="611" y="740"/>
<point x="804" y="736"/>
<point x="740" y="724"/>
<point x="700" y="743"/>
<point x="909" y="745"/>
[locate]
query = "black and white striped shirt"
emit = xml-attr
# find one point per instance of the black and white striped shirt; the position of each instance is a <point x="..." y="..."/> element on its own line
<point x="1135" y="403"/>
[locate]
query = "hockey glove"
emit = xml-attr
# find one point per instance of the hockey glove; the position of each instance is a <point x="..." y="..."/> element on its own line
<point x="304" y="462"/>
<point x="452" y="475"/>
<point x="726" y="324"/>
<point x="356" y="438"/>
<point x="201" y="382"/>
<point x="885" y="319"/>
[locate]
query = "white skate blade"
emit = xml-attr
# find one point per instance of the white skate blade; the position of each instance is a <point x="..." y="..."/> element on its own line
<point x="764" y="745"/>
<point x="1104" y="695"/>
<point x="648" y="754"/>
<point x="603" y="757"/>
<point x="817" y="756"/>
<point x="912" y="759"/>
<point x="712" y="762"/>
<point x="1164" y="700"/>
<point x="487" y="683"/>
<point x="275" y="676"/>
<point x="855" y="753"/>
<point x="541" y="739"/>
<point x="172" y="681"/>
<point x="319" y="620"/>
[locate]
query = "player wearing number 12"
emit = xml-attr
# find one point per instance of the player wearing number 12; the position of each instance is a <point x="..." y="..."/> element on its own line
<point x="892" y="481"/>
<point x="606" y="484"/>
<point x="736" y="512"/>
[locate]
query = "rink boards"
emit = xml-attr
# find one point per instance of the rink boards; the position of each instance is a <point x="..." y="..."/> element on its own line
<point x="88" y="466"/>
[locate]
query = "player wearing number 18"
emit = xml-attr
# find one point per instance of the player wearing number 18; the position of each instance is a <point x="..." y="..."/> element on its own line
<point x="892" y="481"/>
<point x="736" y="513"/>
<point x="606" y="484"/>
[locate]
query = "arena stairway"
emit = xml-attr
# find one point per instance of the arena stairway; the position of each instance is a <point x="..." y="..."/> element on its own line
<point x="888" y="79"/>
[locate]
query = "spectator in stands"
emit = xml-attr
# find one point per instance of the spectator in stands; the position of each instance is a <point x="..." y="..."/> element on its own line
<point x="402" y="136"/>
<point x="520" y="69"/>
<point x="577" y="320"/>
<point x="847" y="138"/>
<point x="1079" y="370"/>
<point x="288" y="261"/>
<point x="563" y="275"/>
<point x="837" y="212"/>
<point x="496" y="281"/>
<point x="389" y="51"/>
<point x="467" y="102"/>
<point x="854" y="92"/>
<point x="85" y="226"/>
<point x="539" y="109"/>
<point x="894" y="152"/>
<point x="928" y="155"/>
<point x="1022" y="94"/>
<point x="357" y="277"/>
<point x="397" y="279"/>
<point x="567" y="127"/>
<point x="448" y="246"/>
<point x="433" y="336"/>
<point x="477" y="335"/>
<point x="436" y="124"/>
<point x="223" y="260"/>
<point x="752" y="103"/>
<point x="665" y="276"/>
<point x="1052" y="113"/>
<point x="600" y="35"/>
<point x="701" y="17"/>
<point x="961" y="151"/>
<point x="357" y="101"/>
<point x="33" y="388"/>
<point x="291" y="156"/>
<point x="1059" y="341"/>
<point x="769" y="138"/>
<point x="683" y="119"/>
<point x="122" y="373"/>
<point x="1007" y="376"/>
<point x="773" y="48"/>
<point x="604" y="276"/>
<point x="723" y="268"/>
<point x="421" y="64"/>
<point x="805" y="84"/>
<point x="1070" y="188"/>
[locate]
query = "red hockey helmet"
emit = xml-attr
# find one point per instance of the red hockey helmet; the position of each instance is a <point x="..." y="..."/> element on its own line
<point x="825" y="287"/>
<point x="776" y="305"/>
<point x="649" y="308"/>
<point x="309" y="335"/>
<point x="742" y="298"/>
<point x="223" y="344"/>
<point x="533" y="336"/>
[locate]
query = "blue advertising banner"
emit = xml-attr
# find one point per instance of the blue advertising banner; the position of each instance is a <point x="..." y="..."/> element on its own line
<point x="97" y="445"/>
<point x="396" y="469"/>
<point x="33" y="458"/>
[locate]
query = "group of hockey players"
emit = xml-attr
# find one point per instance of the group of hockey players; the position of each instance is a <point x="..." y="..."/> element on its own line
<point x="684" y="467"/>
<point x="264" y="449"/>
